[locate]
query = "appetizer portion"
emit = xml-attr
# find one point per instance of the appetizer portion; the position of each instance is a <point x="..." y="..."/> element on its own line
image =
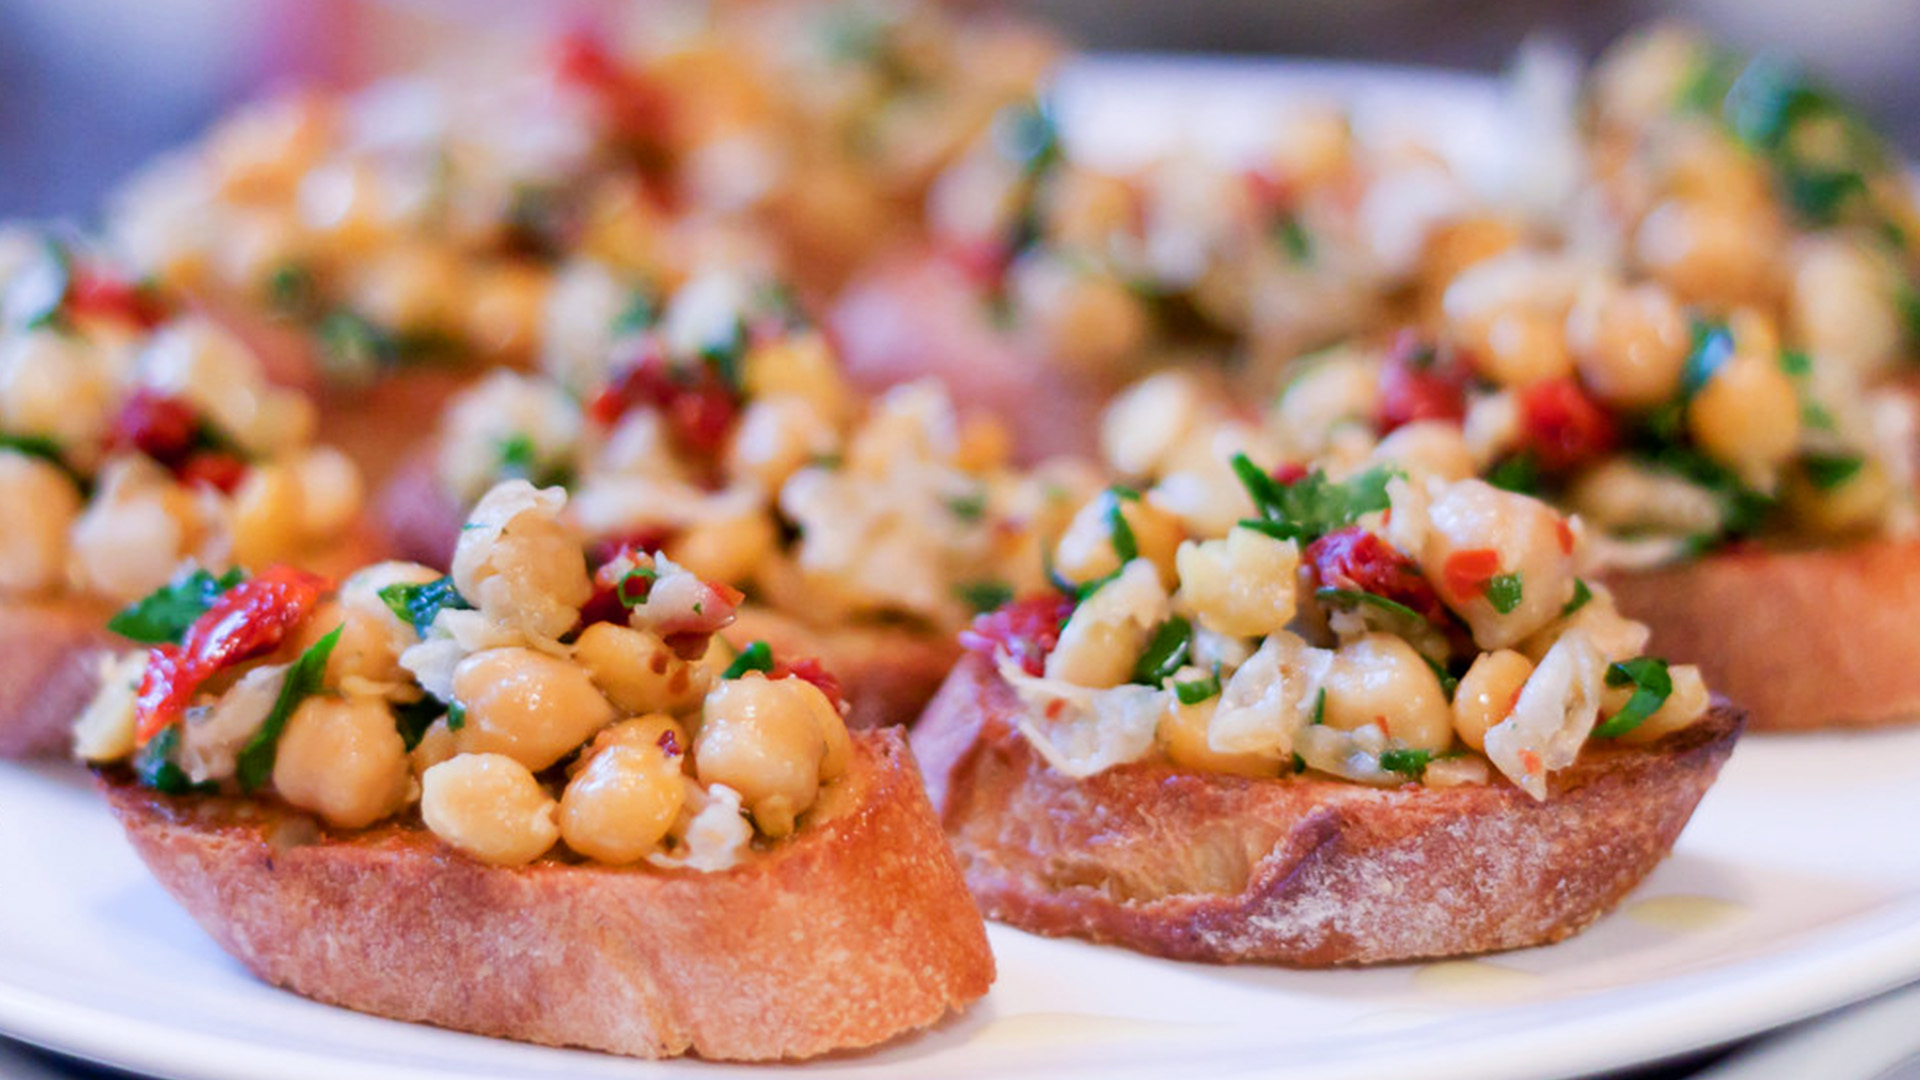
<point x="133" y="437"/>
<point x="550" y="805"/>
<point x="1382" y="716"/>
<point x="717" y="428"/>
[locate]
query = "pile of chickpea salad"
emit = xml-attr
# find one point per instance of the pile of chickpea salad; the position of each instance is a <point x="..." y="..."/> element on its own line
<point x="1379" y="625"/>
<point x="134" y="434"/>
<point x="716" y="425"/>
<point x="519" y="703"/>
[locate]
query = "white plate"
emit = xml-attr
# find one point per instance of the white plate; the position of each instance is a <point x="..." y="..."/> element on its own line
<point x="1795" y="890"/>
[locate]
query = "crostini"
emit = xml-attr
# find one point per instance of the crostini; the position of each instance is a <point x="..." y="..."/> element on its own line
<point x="720" y="431"/>
<point x="1381" y="718"/>
<point x="514" y="772"/>
<point x="133" y="437"/>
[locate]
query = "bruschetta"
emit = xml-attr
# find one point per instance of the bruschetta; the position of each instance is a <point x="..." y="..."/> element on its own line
<point x="515" y="801"/>
<point x="1381" y="718"/>
<point x="134" y="438"/>
<point x="722" y="432"/>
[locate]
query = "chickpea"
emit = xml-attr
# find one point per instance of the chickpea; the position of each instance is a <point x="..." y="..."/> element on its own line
<point x="1456" y="245"/>
<point x="1427" y="448"/>
<point x="1621" y="495"/>
<point x="1530" y="545"/>
<point x="657" y="730"/>
<point x="1104" y="636"/>
<point x="42" y="505"/>
<point x="266" y="516"/>
<point x="1856" y="504"/>
<point x="344" y="760"/>
<point x="1094" y="322"/>
<point x="489" y="807"/>
<point x="527" y="705"/>
<point x="1631" y="344"/>
<point x="1087" y="209"/>
<point x="1333" y="391"/>
<point x="409" y="287"/>
<point x="726" y="549"/>
<point x="1086" y="549"/>
<point x="54" y="386"/>
<point x="519" y="565"/>
<point x="1711" y="253"/>
<point x="1486" y="694"/>
<point x="776" y="437"/>
<point x="802" y="366"/>
<point x="1748" y="413"/>
<point x="1241" y="586"/>
<point x="984" y="445"/>
<point x="1380" y="680"/>
<point x="503" y="307"/>
<point x="1842" y="306"/>
<point x="1183" y="732"/>
<point x="775" y="741"/>
<point x="637" y="672"/>
<point x="617" y="808"/>
<point x="1147" y="422"/>
<point x="330" y="492"/>
<point x="1519" y="346"/>
<point x="1688" y="702"/>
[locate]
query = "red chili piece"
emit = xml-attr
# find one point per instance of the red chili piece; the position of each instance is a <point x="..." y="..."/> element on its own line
<point x="1416" y="385"/>
<point x="1564" y="426"/>
<point x="158" y="425"/>
<point x="1466" y="573"/>
<point x="249" y="620"/>
<point x="809" y="669"/>
<point x="1353" y="558"/>
<point x="95" y="294"/>
<point x="1026" y="630"/>
<point x="222" y="472"/>
<point x="637" y="107"/>
<point x="1288" y="473"/>
<point x="699" y="406"/>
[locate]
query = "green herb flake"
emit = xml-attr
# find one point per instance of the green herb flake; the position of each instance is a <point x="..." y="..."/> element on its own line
<point x="292" y="291"/>
<point x="1652" y="685"/>
<point x="1519" y="473"/>
<point x="635" y="586"/>
<point x="755" y="657"/>
<point x="1712" y="348"/>
<point x="1195" y="691"/>
<point x="641" y="311"/>
<point x="165" y="615"/>
<point x="419" y="605"/>
<point x="37" y="446"/>
<point x="985" y="596"/>
<point x="1581" y="595"/>
<point x="1504" y="592"/>
<point x="1319" y="707"/>
<point x="1166" y="653"/>
<point x="1408" y="762"/>
<point x="970" y="507"/>
<point x="413" y="718"/>
<point x="1351" y="598"/>
<point x="1448" y="682"/>
<point x="254" y="766"/>
<point x="1294" y="239"/>
<point x="153" y="765"/>
<point x="1312" y="506"/>
<point x="353" y="349"/>
<point x="1829" y="471"/>
<point x="1125" y="546"/>
<point x="456" y="716"/>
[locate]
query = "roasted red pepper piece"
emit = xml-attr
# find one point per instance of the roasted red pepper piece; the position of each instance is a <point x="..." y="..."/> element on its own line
<point x="1416" y="384"/>
<point x="248" y="620"/>
<point x="700" y="408"/>
<point x="808" y="669"/>
<point x="1564" y="426"/>
<point x="1466" y="573"/>
<point x="1353" y="558"/>
<point x="1026" y="630"/>
<point x="95" y="294"/>
<point x="161" y="426"/>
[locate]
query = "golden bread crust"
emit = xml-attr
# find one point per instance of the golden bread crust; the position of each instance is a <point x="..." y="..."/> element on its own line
<point x="1303" y="872"/>
<point x="853" y="932"/>
<point x="1804" y="640"/>
<point x="50" y="652"/>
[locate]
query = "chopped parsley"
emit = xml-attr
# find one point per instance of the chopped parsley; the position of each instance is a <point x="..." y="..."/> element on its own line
<point x="1319" y="707"/>
<point x="969" y="507"/>
<point x="1829" y="471"/>
<point x="1407" y="762"/>
<point x="164" y="615"/>
<point x="292" y="291"/>
<point x="456" y="716"/>
<point x="413" y="718"/>
<point x="1581" y="594"/>
<point x="1294" y="239"/>
<point x="1166" y="653"/>
<point x="755" y="657"/>
<point x="519" y="458"/>
<point x="1125" y="546"/>
<point x="1712" y="348"/>
<point x="1504" y="592"/>
<point x="352" y="348"/>
<point x="254" y="766"/>
<point x="1448" y="681"/>
<point x="419" y="605"/>
<point x="1519" y="473"/>
<point x="1652" y="685"/>
<point x="641" y="311"/>
<point x="1195" y="691"/>
<point x="985" y="596"/>
<point x="1350" y="598"/>
<point x="1312" y="506"/>
<point x="153" y="765"/>
<point x="635" y="586"/>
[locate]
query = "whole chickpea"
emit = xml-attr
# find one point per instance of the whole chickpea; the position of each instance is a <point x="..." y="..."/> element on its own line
<point x="1519" y="346"/>
<point x="42" y="505"/>
<point x="621" y="803"/>
<point x="1688" y="702"/>
<point x="1530" y="543"/>
<point x="1380" y="679"/>
<point x="1748" y="413"/>
<point x="1086" y="549"/>
<point x="638" y="672"/>
<point x="1243" y="585"/>
<point x="267" y="512"/>
<point x="1711" y="252"/>
<point x="1486" y="694"/>
<point x="1183" y="732"/>
<point x="1631" y="344"/>
<point x="775" y="741"/>
<point x="1092" y="322"/>
<point x="519" y="565"/>
<point x="489" y="807"/>
<point x="1427" y="448"/>
<point x="527" y="705"/>
<point x="1856" y="504"/>
<point x="344" y="760"/>
<point x="727" y="549"/>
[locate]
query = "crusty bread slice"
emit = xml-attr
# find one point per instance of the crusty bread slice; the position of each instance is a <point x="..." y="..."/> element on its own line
<point x="888" y="672"/>
<point x="381" y="426"/>
<point x="50" y="652"/>
<point x="1304" y="872"/>
<point x="1824" y="638"/>
<point x="854" y="931"/>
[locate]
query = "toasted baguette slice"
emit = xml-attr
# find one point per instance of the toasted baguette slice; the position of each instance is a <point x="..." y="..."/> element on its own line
<point x="50" y="652"/>
<point x="856" y="930"/>
<point x="1804" y="640"/>
<point x="1306" y="872"/>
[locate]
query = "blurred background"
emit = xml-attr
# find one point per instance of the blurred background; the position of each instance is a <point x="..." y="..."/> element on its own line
<point x="91" y="88"/>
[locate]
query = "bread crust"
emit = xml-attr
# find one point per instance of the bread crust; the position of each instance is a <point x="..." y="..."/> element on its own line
<point x="1303" y="872"/>
<point x="853" y="932"/>
<point x="50" y="650"/>
<point x="1804" y="640"/>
